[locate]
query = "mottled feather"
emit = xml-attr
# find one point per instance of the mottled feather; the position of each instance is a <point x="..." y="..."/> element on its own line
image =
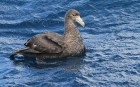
<point x="45" y="43"/>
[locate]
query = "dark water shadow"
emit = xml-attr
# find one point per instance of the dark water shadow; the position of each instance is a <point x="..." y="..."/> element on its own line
<point x="69" y="63"/>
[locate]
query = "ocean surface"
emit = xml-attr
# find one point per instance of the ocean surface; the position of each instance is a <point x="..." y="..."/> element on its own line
<point x="111" y="36"/>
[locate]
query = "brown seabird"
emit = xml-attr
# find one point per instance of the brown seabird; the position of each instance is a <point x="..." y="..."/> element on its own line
<point x="54" y="45"/>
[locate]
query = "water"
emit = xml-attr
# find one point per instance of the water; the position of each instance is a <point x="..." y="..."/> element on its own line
<point x="111" y="36"/>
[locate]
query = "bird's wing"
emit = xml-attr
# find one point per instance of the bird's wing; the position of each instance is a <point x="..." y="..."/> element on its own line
<point x="46" y="43"/>
<point x="55" y="37"/>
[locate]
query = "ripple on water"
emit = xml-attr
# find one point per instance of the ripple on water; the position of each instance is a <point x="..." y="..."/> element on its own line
<point x="111" y="36"/>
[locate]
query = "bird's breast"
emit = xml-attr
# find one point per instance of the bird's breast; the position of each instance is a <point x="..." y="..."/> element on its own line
<point x="73" y="47"/>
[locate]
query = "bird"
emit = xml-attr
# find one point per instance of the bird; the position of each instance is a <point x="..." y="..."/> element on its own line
<point x="51" y="45"/>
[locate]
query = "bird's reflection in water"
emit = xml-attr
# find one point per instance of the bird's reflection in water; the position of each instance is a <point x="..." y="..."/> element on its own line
<point x="71" y="63"/>
<point x="74" y="63"/>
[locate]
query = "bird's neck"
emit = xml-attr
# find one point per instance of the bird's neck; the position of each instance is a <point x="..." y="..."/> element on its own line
<point x="70" y="29"/>
<point x="72" y="39"/>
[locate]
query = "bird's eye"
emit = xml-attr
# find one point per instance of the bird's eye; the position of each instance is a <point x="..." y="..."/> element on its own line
<point x="73" y="15"/>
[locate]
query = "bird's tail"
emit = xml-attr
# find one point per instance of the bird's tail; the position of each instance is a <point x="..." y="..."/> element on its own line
<point x="24" y="51"/>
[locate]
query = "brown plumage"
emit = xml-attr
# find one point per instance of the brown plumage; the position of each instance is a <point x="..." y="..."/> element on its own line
<point x="54" y="45"/>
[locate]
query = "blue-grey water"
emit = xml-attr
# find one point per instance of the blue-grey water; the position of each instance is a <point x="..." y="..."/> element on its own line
<point x="111" y="36"/>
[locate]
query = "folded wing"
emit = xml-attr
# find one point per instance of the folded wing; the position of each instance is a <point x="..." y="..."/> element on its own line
<point x="47" y="42"/>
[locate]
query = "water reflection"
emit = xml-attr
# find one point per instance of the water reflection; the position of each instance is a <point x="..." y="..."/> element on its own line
<point x="71" y="63"/>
